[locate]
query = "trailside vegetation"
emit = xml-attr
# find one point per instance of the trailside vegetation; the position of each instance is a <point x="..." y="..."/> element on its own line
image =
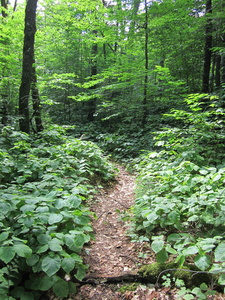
<point x="179" y="207"/>
<point x="46" y="184"/>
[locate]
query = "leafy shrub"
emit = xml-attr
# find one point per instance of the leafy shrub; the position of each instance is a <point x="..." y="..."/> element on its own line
<point x="43" y="221"/>
<point x="180" y="191"/>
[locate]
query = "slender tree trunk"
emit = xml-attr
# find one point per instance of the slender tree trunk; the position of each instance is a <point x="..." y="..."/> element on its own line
<point x="36" y="101"/>
<point x="15" y="5"/>
<point x="144" y="103"/>
<point x="217" y="73"/>
<point x="223" y="72"/>
<point x="212" y="77"/>
<point x="136" y="4"/>
<point x="4" y="94"/>
<point x="28" y="59"/>
<point x="94" y="71"/>
<point x="4" y="109"/>
<point x="4" y="4"/>
<point x="208" y="47"/>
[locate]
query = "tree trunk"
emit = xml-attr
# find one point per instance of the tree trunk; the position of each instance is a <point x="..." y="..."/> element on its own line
<point x="208" y="47"/>
<point x="136" y="4"/>
<point x="144" y="103"/>
<point x="28" y="58"/>
<point x="223" y="72"/>
<point x="94" y="71"/>
<point x="36" y="101"/>
<point x="217" y="73"/>
<point x="4" y="94"/>
<point x="4" y="4"/>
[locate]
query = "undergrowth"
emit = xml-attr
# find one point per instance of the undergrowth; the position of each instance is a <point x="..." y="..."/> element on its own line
<point x="44" y="222"/>
<point x="180" y="190"/>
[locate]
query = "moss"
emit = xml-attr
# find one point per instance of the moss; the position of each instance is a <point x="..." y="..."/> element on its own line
<point x="154" y="272"/>
<point x="129" y="287"/>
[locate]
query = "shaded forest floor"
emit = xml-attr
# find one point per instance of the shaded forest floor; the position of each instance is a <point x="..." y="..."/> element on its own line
<point x="113" y="259"/>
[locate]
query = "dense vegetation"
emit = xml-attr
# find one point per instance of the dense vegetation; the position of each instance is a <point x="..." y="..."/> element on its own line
<point x="46" y="184"/>
<point x="180" y="194"/>
<point x="141" y="81"/>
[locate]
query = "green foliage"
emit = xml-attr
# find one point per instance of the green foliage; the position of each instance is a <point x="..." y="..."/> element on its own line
<point x="180" y="194"/>
<point x="168" y="274"/>
<point x="44" y="223"/>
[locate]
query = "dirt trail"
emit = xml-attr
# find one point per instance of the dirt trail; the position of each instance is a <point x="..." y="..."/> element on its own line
<point x="112" y="254"/>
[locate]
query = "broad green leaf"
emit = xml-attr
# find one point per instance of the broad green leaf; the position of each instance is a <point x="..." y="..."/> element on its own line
<point x="188" y="297"/>
<point x="184" y="189"/>
<point x="173" y="237"/>
<point x="4" y="208"/>
<point x="197" y="291"/>
<point x="216" y="268"/>
<point x="43" y="238"/>
<point x="55" y="218"/>
<point x="190" y="250"/>
<point x="157" y="245"/>
<point x="203" y="262"/>
<point x="72" y="287"/>
<point x="217" y="177"/>
<point x="221" y="279"/>
<point x="174" y="216"/>
<point x="5" y="296"/>
<point x="220" y="252"/>
<point x="70" y="242"/>
<point x="75" y="201"/>
<point x="81" y="220"/>
<point x="27" y="296"/>
<point x="55" y="245"/>
<point x="27" y="207"/>
<point x="60" y="203"/>
<point x="32" y="260"/>
<point x="152" y="217"/>
<point x="81" y="271"/>
<point x="76" y="257"/>
<point x="203" y="171"/>
<point x="45" y="283"/>
<point x="162" y="256"/>
<point x="61" y="288"/>
<point x="68" y="264"/>
<point x="17" y="292"/>
<point x="75" y="243"/>
<point x="51" y="265"/>
<point x="169" y="249"/>
<point x="22" y="250"/>
<point x="7" y="254"/>
<point x="42" y="249"/>
<point x="3" y="236"/>
<point x="204" y="286"/>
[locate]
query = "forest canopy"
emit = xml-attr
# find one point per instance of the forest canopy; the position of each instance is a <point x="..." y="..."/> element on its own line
<point x="111" y="62"/>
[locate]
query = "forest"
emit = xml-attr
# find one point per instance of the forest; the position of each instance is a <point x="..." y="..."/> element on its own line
<point x="86" y="86"/>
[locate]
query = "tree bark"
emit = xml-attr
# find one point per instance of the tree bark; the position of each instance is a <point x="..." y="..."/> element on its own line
<point x="223" y="72"/>
<point x="94" y="71"/>
<point x="36" y="101"/>
<point x="217" y="73"/>
<point x="208" y="48"/>
<point x="4" y="4"/>
<point x="144" y="103"/>
<point x="28" y="59"/>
